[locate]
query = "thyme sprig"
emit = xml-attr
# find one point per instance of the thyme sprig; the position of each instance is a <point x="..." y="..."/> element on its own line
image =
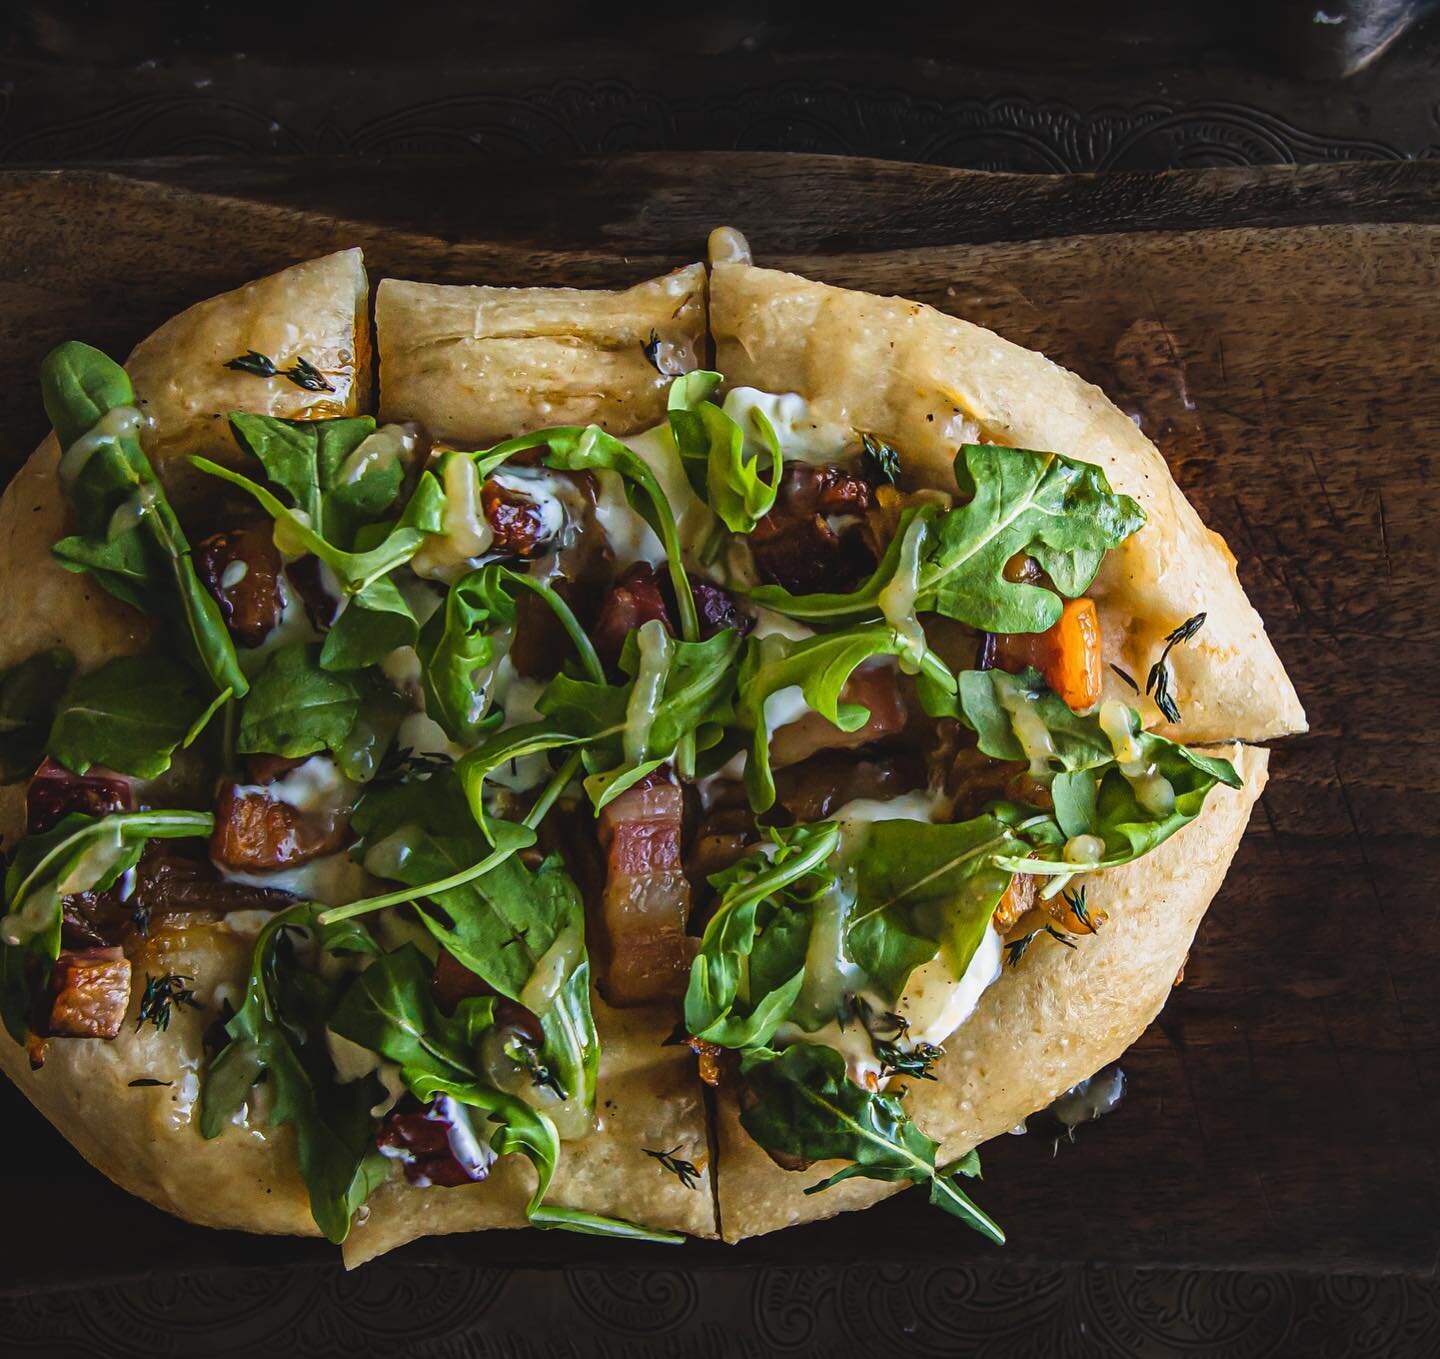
<point x="1015" y="949"/>
<point x="1158" y="680"/>
<point x="160" y="997"/>
<point x="1076" y="902"/>
<point x="302" y="373"/>
<point x="685" y="1171"/>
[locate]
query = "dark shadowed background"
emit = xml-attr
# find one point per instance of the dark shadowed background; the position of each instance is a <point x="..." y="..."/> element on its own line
<point x="1270" y="1188"/>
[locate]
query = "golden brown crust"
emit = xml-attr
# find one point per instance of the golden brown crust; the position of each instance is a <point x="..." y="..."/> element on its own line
<point x="1055" y="1019"/>
<point x="316" y="311"/>
<point x="478" y="364"/>
<point x="648" y="1097"/>
<point x="145" y="1138"/>
<point x="930" y="382"/>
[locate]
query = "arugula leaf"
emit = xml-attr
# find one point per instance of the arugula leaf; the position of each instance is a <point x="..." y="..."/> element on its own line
<point x="463" y="642"/>
<point x="732" y="485"/>
<point x="296" y="708"/>
<point x="756" y="891"/>
<point x="678" y="693"/>
<point x="819" y="667"/>
<point x="81" y="854"/>
<point x="522" y="931"/>
<point x="1060" y="511"/>
<point x="129" y="537"/>
<point x="29" y="695"/>
<point x="459" y="649"/>
<point x="999" y="707"/>
<point x="503" y="748"/>
<point x="280" y="1030"/>
<point x="1131" y="804"/>
<point x="577" y="448"/>
<point x="372" y="624"/>
<point x="806" y="1107"/>
<point x="389" y="1010"/>
<point x="924" y="888"/>
<point x="316" y="462"/>
<point x="423" y="515"/>
<point x="129" y="715"/>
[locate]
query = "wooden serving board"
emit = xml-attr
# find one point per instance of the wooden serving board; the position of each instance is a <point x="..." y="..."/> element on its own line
<point x="1277" y="332"/>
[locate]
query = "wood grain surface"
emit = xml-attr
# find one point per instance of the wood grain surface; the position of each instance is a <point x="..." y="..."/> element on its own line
<point x="1284" y="352"/>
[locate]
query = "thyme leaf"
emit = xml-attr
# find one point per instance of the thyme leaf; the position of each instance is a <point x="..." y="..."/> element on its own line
<point x="302" y="373"/>
<point x="1158" y="680"/>
<point x="916" y="1061"/>
<point x="685" y="1171"/>
<point x="1015" y="949"/>
<point x="1127" y="677"/>
<point x="879" y="462"/>
<point x="1076" y="902"/>
<point x="161" y="995"/>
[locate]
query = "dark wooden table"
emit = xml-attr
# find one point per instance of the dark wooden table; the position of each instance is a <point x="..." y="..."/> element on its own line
<point x="1278" y="333"/>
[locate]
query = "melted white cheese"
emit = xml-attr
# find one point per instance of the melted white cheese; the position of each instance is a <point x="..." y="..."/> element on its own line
<point x="803" y="436"/>
<point x="119" y="423"/>
<point x="631" y="539"/>
<point x="466" y="535"/>
<point x="332" y="879"/>
<point x="387" y="445"/>
<point x="317" y="785"/>
<point x="936" y="1003"/>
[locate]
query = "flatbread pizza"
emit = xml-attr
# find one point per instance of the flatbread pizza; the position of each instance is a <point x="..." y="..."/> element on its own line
<point x="533" y="777"/>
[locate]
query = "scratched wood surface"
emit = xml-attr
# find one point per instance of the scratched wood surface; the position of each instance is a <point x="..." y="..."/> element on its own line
<point x="1282" y="1110"/>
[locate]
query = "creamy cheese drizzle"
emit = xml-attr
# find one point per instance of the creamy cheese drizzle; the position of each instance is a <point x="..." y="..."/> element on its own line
<point x="466" y="535"/>
<point x="386" y="446"/>
<point x="119" y="423"/>
<point x="803" y="436"/>
<point x="332" y="879"/>
<point x="1153" y="791"/>
<point x="1030" y="729"/>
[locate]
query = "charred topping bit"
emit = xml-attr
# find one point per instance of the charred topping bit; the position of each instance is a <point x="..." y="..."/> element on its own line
<point x="141" y="1081"/>
<point x="241" y="569"/>
<point x="685" y="1171"/>
<point x="54" y="792"/>
<point x="1126" y="677"/>
<point x="716" y="608"/>
<point x="1018" y="897"/>
<point x="302" y="373"/>
<point x="798" y="547"/>
<point x="633" y="600"/>
<point x="708" y="1056"/>
<point x="647" y="896"/>
<point x="1015" y="949"/>
<point x="160" y="997"/>
<point x="812" y="789"/>
<point x="256" y="833"/>
<point x="434" y="1145"/>
<point x="89" y="993"/>
<point x="1157" y="682"/>
<point x="880" y="462"/>
<point x="651" y="349"/>
<point x="517" y="522"/>
<point x="305" y="574"/>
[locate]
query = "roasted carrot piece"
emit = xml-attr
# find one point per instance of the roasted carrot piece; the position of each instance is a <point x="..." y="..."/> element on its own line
<point x="1068" y="654"/>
